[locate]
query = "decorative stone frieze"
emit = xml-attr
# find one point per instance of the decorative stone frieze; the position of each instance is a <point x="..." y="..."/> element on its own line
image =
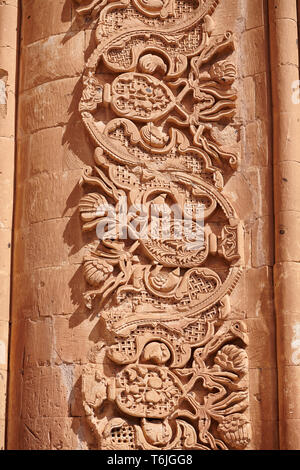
<point x="140" y="313"/>
<point x="155" y="88"/>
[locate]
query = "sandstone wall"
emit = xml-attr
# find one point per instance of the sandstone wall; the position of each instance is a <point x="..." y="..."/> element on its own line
<point x="286" y="112"/>
<point x="8" y="63"/>
<point x="52" y="331"/>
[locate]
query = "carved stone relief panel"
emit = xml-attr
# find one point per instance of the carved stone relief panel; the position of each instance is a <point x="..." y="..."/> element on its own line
<point x="172" y="370"/>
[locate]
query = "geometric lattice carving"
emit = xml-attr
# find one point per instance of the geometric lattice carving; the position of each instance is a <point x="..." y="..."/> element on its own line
<point x="172" y="371"/>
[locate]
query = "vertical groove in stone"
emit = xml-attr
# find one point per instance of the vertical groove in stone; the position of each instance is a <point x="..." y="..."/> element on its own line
<point x="8" y="60"/>
<point x="286" y="118"/>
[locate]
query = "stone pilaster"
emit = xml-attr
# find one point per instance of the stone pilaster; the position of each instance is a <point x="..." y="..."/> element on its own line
<point x="8" y="66"/>
<point x="286" y="145"/>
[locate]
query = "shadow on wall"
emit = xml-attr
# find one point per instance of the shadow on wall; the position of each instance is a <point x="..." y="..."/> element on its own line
<point x="76" y="142"/>
<point x="79" y="23"/>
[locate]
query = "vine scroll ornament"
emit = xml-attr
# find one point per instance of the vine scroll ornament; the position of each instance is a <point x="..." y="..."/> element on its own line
<point x="172" y="371"/>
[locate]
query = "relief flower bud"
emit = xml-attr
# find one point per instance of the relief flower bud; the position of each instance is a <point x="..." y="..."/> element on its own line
<point x="232" y="358"/>
<point x="223" y="72"/>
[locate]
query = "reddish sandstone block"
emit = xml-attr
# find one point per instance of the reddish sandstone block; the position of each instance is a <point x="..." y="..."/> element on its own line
<point x="3" y="390"/>
<point x="61" y="237"/>
<point x="255" y="16"/>
<point x="35" y="27"/>
<point x="261" y="349"/>
<point x="54" y="434"/>
<point x="9" y="16"/>
<point x="53" y="58"/>
<point x="254" y="46"/>
<point x="265" y="435"/>
<point x="53" y="112"/>
<point x="262" y="242"/>
<point x="288" y="324"/>
<point x="50" y="196"/>
<point x="253" y="295"/>
<point x="263" y="394"/>
<point x="73" y="343"/>
<point x="47" y="392"/>
<point x="43" y="285"/>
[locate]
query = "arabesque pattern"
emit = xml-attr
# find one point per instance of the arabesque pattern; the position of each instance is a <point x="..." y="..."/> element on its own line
<point x="155" y="87"/>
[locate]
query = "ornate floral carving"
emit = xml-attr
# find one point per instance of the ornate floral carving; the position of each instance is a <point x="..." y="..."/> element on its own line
<point x="155" y="87"/>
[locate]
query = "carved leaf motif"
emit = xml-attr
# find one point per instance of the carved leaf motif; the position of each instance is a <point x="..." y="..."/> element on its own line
<point x="235" y="429"/>
<point x="92" y="207"/>
<point x="97" y="270"/>
<point x="232" y="358"/>
<point x="223" y="72"/>
<point x="150" y="63"/>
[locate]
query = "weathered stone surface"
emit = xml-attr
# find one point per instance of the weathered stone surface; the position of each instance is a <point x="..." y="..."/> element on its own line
<point x="54" y="58"/>
<point x="254" y="52"/>
<point x="285" y="80"/>
<point x="57" y="331"/>
<point x="6" y="181"/>
<point x="262" y="248"/>
<point x="287" y="179"/>
<point x="2" y="433"/>
<point x="288" y="324"/>
<point x="51" y="113"/>
<point x="290" y="434"/>
<point x="54" y="434"/>
<point x="51" y="196"/>
<point x="3" y="389"/>
<point x="47" y="391"/>
<point x="253" y="297"/>
<point x="5" y="283"/>
<point x="258" y="154"/>
<point x="60" y="152"/>
<point x="43" y="285"/>
<point x="287" y="274"/>
<point x="288" y="232"/>
<point x="40" y="23"/>
<point x="263" y="391"/>
<point x="255" y="17"/>
<point x="72" y="346"/>
<point x="9" y="17"/>
<point x="8" y="85"/>
<point x="61" y="237"/>
<point x="3" y="345"/>
<point x="291" y="388"/>
<point x="265" y="434"/>
<point x="261" y="347"/>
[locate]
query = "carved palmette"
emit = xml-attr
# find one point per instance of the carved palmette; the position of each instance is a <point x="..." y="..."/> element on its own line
<point x="172" y="371"/>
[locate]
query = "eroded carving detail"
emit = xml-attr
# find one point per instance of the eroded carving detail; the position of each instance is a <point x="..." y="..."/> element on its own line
<point x="155" y="88"/>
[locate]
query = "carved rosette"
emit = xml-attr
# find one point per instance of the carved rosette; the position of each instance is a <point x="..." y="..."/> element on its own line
<point x="155" y="88"/>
